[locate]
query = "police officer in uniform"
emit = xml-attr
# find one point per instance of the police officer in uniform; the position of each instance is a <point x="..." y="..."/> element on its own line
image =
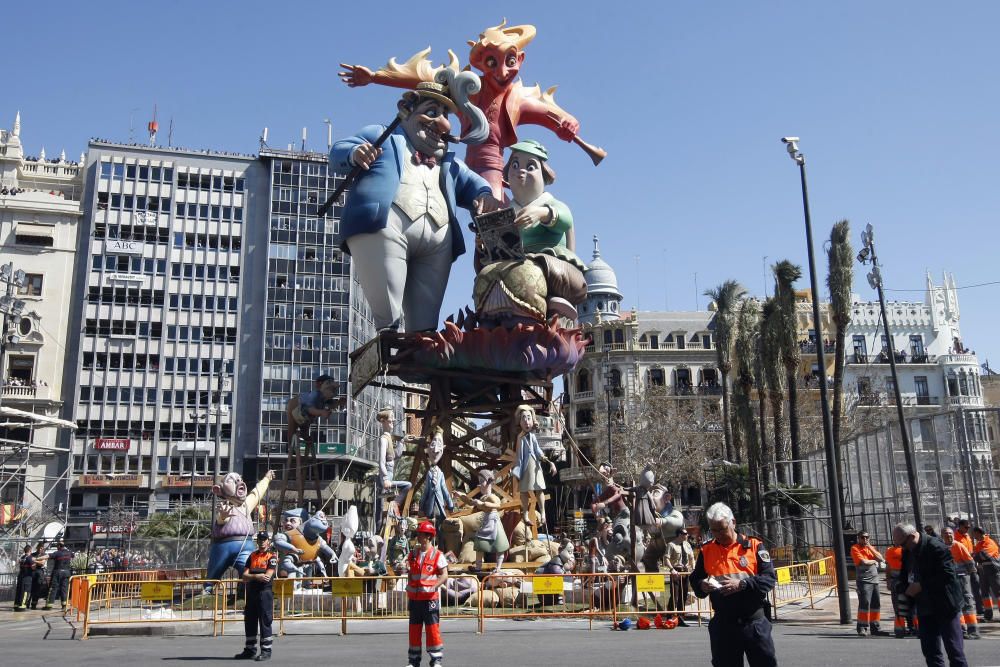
<point x="61" y="571"/>
<point x="25" y="572"/>
<point x="736" y="572"/>
<point x="259" y="610"/>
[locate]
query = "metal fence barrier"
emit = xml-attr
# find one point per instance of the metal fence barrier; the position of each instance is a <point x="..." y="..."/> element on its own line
<point x="803" y="581"/>
<point x="145" y="598"/>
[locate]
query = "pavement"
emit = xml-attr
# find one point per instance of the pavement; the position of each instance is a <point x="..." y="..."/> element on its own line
<point x="802" y="636"/>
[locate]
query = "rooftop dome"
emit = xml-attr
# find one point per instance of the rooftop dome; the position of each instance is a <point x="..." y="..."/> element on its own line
<point x="600" y="277"/>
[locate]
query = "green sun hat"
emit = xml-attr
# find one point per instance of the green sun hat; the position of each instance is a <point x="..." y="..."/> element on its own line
<point x="531" y="147"/>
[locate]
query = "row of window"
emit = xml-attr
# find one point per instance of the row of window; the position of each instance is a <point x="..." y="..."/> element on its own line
<point x="132" y="233"/>
<point x="209" y="182"/>
<point x="287" y="310"/>
<point x="196" y="334"/>
<point x="127" y="264"/>
<point x="118" y="171"/>
<point x="282" y="341"/>
<point x="120" y="202"/>
<point x="204" y="303"/>
<point x="132" y="296"/>
<point x="120" y="360"/>
<point x="136" y="430"/>
<point x="303" y="252"/>
<point x="137" y="395"/>
<point x="109" y="464"/>
<point x="206" y="241"/>
<point x="209" y="212"/>
<point x="92" y="327"/>
<point x="290" y="224"/>
<point x="306" y="282"/>
<point x="208" y="272"/>
<point x="195" y="366"/>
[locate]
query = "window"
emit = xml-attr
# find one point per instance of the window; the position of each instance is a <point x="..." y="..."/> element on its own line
<point x="657" y="377"/>
<point x="860" y="349"/>
<point x="654" y="342"/>
<point x="706" y="341"/>
<point x="680" y="341"/>
<point x="920" y="386"/>
<point x="32" y="285"/>
<point x="583" y="382"/>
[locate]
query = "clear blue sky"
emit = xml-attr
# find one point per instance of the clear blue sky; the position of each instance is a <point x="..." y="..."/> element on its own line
<point x="896" y="104"/>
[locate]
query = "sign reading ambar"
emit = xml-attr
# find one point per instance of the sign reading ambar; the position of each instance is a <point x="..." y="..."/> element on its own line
<point x="122" y="247"/>
<point x="113" y="444"/>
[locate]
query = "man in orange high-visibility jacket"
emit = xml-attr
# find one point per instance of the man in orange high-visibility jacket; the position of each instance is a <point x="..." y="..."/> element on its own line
<point x="736" y="572"/>
<point x="902" y="610"/>
<point x="964" y="565"/>
<point x="962" y="535"/>
<point x="428" y="571"/>
<point x="987" y="557"/>
<point x="866" y="565"/>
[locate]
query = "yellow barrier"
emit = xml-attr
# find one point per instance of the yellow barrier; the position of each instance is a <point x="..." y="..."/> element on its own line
<point x="549" y="595"/>
<point x="143" y="602"/>
<point x="668" y="595"/>
<point x="803" y="581"/>
<point x="142" y="598"/>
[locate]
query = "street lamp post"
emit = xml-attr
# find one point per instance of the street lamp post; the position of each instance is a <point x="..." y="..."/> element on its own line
<point x="836" y="511"/>
<point x="875" y="281"/>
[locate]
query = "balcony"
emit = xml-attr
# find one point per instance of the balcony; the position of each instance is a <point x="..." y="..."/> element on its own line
<point x="973" y="401"/>
<point x="583" y="429"/>
<point x="809" y="347"/>
<point x="877" y="399"/>
<point x="957" y="359"/>
<point x="583" y="396"/>
<point x="704" y="390"/>
<point x="19" y="392"/>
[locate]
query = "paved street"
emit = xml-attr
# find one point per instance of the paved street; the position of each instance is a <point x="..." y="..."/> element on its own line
<point x="528" y="642"/>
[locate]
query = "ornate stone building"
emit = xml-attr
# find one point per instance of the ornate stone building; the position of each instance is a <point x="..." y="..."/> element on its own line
<point x="40" y="209"/>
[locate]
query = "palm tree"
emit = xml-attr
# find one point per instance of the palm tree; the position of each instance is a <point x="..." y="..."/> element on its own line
<point x="745" y="347"/>
<point x="766" y="455"/>
<point x="726" y="296"/>
<point x="840" y="281"/>
<point x="785" y="275"/>
<point x="774" y="376"/>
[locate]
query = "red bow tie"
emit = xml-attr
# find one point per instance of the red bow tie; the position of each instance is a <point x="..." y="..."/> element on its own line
<point x="426" y="160"/>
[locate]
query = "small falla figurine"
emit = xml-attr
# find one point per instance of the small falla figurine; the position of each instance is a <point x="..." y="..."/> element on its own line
<point x="348" y="529"/>
<point x="436" y="501"/>
<point x="491" y="537"/>
<point x="528" y="469"/>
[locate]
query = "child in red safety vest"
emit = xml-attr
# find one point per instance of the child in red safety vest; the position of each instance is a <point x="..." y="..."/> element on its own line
<point x="428" y="571"/>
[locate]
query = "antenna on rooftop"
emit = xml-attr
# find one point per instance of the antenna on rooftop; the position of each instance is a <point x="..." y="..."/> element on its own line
<point x="303" y="140"/>
<point x="170" y="133"/>
<point x="263" y="139"/>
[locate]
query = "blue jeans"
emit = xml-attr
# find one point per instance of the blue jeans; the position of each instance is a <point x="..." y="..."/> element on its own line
<point x="224" y="555"/>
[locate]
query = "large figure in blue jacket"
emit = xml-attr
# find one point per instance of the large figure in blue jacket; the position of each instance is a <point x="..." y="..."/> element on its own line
<point x="399" y="222"/>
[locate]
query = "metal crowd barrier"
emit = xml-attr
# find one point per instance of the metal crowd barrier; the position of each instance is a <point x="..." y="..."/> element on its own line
<point x="803" y="581"/>
<point x="119" y="598"/>
<point x="550" y="595"/>
<point x="347" y="599"/>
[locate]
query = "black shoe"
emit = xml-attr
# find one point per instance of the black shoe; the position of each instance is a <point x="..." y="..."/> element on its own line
<point x="681" y="623"/>
<point x="247" y="654"/>
<point x="264" y="655"/>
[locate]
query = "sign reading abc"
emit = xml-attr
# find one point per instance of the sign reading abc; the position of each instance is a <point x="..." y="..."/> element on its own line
<point x="121" y="247"/>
